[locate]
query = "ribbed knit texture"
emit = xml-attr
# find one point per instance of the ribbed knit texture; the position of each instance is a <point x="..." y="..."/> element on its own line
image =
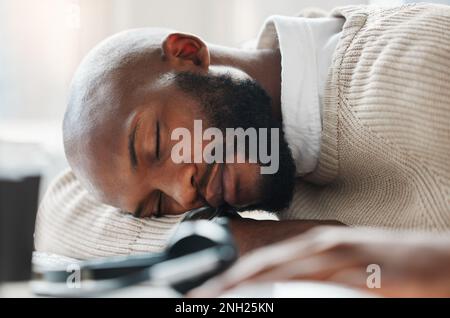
<point x="71" y="223"/>
<point x="385" y="150"/>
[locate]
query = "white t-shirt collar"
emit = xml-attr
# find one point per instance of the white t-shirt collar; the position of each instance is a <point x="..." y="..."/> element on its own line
<point x="306" y="47"/>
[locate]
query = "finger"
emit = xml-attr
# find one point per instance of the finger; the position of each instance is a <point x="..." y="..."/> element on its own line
<point x="318" y="268"/>
<point x="265" y="261"/>
<point x="242" y="271"/>
<point x="352" y="277"/>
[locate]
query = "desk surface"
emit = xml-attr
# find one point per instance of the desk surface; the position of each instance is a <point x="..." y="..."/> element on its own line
<point x="23" y="290"/>
<point x="275" y="290"/>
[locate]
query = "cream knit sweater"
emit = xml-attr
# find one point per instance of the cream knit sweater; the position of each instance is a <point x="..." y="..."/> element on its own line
<point x="72" y="224"/>
<point x="385" y="149"/>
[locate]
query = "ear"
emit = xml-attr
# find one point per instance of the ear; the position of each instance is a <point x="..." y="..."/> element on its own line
<point x="184" y="49"/>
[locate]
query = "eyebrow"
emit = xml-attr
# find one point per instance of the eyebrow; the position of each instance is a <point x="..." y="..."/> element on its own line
<point x="132" y="146"/>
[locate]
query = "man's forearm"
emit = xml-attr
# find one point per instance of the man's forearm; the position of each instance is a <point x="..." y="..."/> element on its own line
<point x="251" y="234"/>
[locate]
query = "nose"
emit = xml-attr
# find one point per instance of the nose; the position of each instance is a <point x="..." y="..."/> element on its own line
<point x="179" y="189"/>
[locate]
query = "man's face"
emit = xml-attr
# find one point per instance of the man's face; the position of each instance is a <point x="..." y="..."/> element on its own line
<point x="130" y="161"/>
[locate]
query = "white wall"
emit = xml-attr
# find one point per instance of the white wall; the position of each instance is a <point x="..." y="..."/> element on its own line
<point x="221" y="21"/>
<point x="41" y="42"/>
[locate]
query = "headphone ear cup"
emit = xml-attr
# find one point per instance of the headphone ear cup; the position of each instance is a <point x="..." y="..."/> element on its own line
<point x="194" y="236"/>
<point x="188" y="245"/>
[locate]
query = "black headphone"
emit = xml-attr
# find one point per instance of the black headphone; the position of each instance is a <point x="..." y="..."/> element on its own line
<point x="200" y="248"/>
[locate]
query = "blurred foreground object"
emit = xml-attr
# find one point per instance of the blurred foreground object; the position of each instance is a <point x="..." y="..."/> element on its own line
<point x="19" y="191"/>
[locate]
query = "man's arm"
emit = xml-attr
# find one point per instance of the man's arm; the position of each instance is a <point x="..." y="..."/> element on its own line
<point x="375" y="261"/>
<point x="251" y="234"/>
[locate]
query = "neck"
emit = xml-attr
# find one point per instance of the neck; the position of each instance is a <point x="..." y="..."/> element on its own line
<point x="264" y="66"/>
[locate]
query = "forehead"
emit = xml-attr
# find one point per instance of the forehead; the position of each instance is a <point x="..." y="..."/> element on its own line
<point x="98" y="160"/>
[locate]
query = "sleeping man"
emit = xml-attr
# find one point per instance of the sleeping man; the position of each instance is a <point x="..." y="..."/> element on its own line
<point x="348" y="117"/>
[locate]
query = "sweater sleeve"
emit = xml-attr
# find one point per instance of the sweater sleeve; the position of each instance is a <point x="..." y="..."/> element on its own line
<point x="72" y="223"/>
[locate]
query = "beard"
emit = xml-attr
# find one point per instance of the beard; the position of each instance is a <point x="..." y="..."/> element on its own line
<point x="242" y="103"/>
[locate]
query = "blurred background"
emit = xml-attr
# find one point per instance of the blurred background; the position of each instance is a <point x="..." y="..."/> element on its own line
<point x="41" y="44"/>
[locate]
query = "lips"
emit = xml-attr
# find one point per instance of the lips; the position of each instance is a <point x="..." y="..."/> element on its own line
<point x="213" y="193"/>
<point x="221" y="186"/>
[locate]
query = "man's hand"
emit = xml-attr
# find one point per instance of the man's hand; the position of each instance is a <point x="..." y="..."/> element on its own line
<point x="252" y="234"/>
<point x="410" y="264"/>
